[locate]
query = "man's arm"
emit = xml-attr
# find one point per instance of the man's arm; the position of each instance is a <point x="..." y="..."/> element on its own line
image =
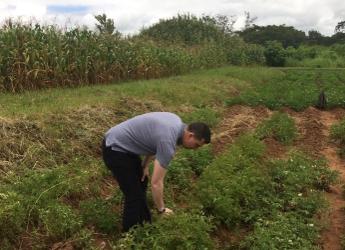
<point x="157" y="185"/>
<point x="147" y="160"/>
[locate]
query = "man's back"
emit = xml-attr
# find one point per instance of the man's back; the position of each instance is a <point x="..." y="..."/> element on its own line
<point x="147" y="134"/>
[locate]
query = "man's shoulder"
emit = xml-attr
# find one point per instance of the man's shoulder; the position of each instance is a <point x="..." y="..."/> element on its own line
<point x="161" y="114"/>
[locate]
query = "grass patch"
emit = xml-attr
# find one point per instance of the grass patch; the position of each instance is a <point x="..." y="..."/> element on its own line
<point x="295" y="88"/>
<point x="201" y="88"/>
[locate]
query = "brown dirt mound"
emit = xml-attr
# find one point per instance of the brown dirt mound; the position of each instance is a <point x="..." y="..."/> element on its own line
<point x="237" y="120"/>
<point x="310" y="130"/>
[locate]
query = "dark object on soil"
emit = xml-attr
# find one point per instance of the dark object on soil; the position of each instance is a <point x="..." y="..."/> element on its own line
<point x="322" y="102"/>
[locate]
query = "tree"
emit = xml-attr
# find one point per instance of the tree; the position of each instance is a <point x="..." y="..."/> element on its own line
<point x="249" y="22"/>
<point x="286" y="35"/>
<point x="189" y="29"/>
<point x="340" y="27"/>
<point x="225" y="23"/>
<point x="275" y="54"/>
<point x="106" y="25"/>
<point x="315" y="37"/>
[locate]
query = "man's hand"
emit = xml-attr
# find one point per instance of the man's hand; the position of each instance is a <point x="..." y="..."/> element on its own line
<point x="166" y="211"/>
<point x="146" y="173"/>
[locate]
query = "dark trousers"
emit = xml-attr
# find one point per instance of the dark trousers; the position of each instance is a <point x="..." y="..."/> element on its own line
<point x="127" y="170"/>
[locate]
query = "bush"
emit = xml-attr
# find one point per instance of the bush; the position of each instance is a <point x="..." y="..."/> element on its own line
<point x="178" y="231"/>
<point x="275" y="54"/>
<point x="280" y="126"/>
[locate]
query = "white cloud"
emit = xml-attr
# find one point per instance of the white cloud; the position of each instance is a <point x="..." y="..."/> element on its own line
<point x="132" y="15"/>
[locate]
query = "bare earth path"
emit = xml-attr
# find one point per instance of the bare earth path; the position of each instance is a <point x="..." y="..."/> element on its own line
<point x="331" y="236"/>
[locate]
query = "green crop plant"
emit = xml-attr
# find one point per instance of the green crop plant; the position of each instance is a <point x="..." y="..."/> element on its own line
<point x="280" y="126"/>
<point x="186" y="231"/>
<point x="285" y="231"/>
<point x="34" y="56"/>
<point x="242" y="189"/>
<point x="223" y="188"/>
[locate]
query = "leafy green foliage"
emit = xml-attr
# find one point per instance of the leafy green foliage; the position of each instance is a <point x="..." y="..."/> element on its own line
<point x="208" y="115"/>
<point x="285" y="231"/>
<point x="59" y="220"/>
<point x="275" y="54"/>
<point x="223" y="187"/>
<point x="12" y="214"/>
<point x="241" y="189"/>
<point x="279" y="126"/>
<point x="34" y="199"/>
<point x="186" y="165"/>
<point x="286" y="35"/>
<point x="338" y="133"/>
<point x="186" y="29"/>
<point x="34" y="56"/>
<point x="297" y="181"/>
<point x="106" y="25"/>
<point x="179" y="231"/>
<point x="100" y="213"/>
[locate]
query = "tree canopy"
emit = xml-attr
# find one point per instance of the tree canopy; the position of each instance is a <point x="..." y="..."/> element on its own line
<point x="189" y="29"/>
<point x="286" y="35"/>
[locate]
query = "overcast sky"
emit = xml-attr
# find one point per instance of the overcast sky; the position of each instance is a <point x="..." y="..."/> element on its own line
<point x="130" y="15"/>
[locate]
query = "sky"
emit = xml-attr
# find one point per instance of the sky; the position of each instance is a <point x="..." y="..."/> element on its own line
<point x="130" y="16"/>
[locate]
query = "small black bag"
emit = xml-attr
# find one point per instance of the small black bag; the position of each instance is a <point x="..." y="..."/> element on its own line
<point x="322" y="101"/>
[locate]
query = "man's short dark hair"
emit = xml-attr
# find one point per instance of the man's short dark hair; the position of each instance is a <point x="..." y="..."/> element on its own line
<point x="201" y="131"/>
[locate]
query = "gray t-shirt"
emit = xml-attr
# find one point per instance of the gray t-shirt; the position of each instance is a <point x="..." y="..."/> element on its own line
<point x="153" y="133"/>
